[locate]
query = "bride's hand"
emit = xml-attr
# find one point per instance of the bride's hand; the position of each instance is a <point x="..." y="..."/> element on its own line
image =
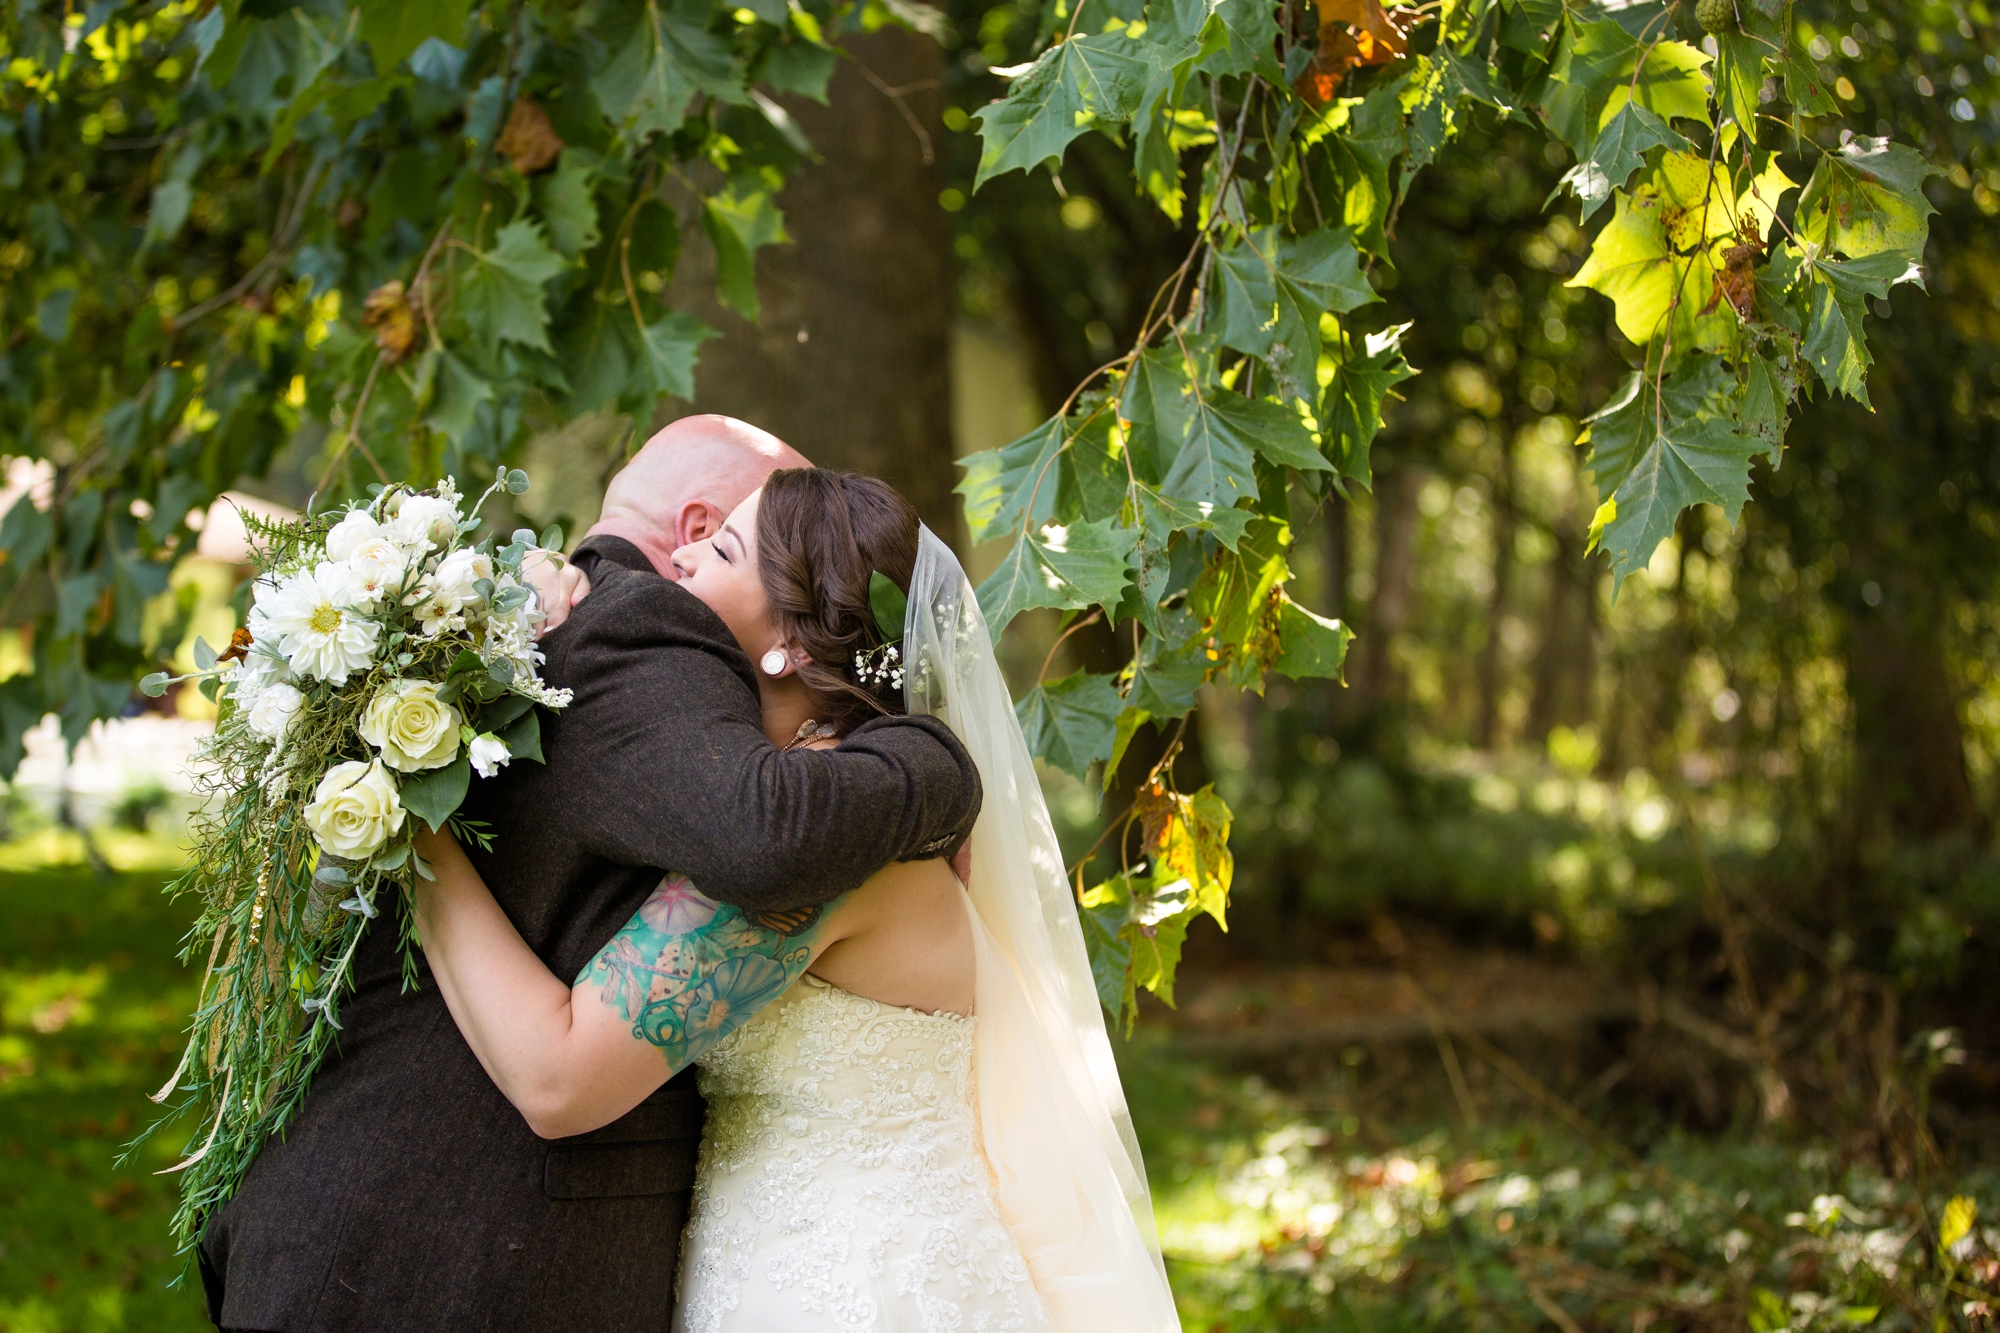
<point x="559" y="584"/>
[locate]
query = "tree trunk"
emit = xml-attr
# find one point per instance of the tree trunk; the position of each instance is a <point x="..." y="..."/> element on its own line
<point x="1565" y="588"/>
<point x="1395" y="567"/>
<point x="1496" y="607"/>
<point x="850" y="362"/>
<point x="1909" y="761"/>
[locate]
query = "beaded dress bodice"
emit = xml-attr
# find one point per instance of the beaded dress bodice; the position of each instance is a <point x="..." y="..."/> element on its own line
<point x="842" y="1184"/>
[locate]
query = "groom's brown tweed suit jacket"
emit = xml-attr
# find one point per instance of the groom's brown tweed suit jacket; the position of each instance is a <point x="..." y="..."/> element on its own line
<point x="409" y="1194"/>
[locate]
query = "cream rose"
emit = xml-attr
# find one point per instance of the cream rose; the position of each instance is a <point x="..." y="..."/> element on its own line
<point x="411" y="727"/>
<point x="275" y="706"/>
<point x="355" y="810"/>
<point x="348" y="534"/>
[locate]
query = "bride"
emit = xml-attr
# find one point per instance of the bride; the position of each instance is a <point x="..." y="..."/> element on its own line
<point x="914" y="1118"/>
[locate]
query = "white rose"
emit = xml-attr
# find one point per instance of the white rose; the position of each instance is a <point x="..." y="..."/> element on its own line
<point x="311" y="618"/>
<point x="272" y="712"/>
<point x="355" y="810"/>
<point x="350" y="532"/>
<point x="412" y="729"/>
<point x="374" y="569"/>
<point x="489" y="754"/>
<point x="459" y="571"/>
<point x="423" y="522"/>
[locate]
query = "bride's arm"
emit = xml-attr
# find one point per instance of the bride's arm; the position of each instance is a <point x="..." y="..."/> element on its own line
<point x="683" y="973"/>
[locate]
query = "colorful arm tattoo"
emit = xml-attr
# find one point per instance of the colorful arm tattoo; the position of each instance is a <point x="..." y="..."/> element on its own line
<point x="687" y="970"/>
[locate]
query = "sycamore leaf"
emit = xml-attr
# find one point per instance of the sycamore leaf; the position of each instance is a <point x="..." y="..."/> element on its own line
<point x="1868" y="199"/>
<point x="1162" y="515"/>
<point x="1350" y="407"/>
<point x="1657" y="257"/>
<point x="394" y="28"/>
<point x="1271" y="290"/>
<point x="655" y="71"/>
<point x="1164" y="679"/>
<point x="564" y="199"/>
<point x="501" y="296"/>
<point x="1072" y="722"/>
<point x="460" y="391"/>
<point x="1013" y="485"/>
<point x="671" y="345"/>
<point x="1067" y="566"/>
<point x="1216" y="463"/>
<point x="1223" y="37"/>
<point x="1153" y="403"/>
<point x="1619" y="151"/>
<point x="1308" y="644"/>
<point x="1657" y="455"/>
<point x="1838" y="303"/>
<point x="1092" y="476"/>
<point x="1739" y="75"/>
<point x="1073" y="86"/>
<point x="1236" y="599"/>
<point x="740" y="222"/>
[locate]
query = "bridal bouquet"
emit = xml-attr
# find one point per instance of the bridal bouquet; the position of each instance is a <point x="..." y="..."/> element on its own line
<point x="386" y="659"/>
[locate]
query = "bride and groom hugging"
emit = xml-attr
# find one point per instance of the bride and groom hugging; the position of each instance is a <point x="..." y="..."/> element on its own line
<point x="805" y="1076"/>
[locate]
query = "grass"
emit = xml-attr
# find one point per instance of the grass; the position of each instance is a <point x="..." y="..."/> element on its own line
<point x="92" y="1003"/>
<point x="1318" y="1203"/>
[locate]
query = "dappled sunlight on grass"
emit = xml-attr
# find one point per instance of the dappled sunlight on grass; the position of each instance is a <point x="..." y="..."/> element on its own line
<point x="92" y="1007"/>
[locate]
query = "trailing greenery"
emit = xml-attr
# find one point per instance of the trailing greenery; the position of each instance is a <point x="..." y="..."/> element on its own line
<point x="421" y="227"/>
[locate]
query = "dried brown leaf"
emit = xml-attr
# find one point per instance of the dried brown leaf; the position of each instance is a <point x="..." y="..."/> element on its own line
<point x="528" y="140"/>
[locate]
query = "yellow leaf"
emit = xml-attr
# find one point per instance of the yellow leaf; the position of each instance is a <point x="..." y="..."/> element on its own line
<point x="1959" y="1215"/>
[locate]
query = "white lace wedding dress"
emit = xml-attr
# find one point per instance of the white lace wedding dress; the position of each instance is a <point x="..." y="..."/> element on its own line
<point x="842" y="1182"/>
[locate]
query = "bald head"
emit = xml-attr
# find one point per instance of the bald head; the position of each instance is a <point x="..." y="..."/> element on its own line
<point x="684" y="481"/>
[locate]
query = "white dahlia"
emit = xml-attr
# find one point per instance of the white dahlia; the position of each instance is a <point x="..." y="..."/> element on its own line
<point x="314" y="619"/>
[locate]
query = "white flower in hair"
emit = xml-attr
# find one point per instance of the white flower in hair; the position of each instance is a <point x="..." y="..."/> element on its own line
<point x="315" y="622"/>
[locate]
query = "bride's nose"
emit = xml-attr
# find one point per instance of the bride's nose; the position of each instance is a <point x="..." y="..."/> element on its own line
<point x="685" y="559"/>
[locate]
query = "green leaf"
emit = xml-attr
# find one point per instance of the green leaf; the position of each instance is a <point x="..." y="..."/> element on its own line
<point x="1866" y="199"/>
<point x="1129" y="723"/>
<point x="1619" y="151"/>
<point x="1162" y="515"/>
<point x="564" y="198"/>
<point x="1309" y="645"/>
<point x="1739" y="75"/>
<point x="500" y="297"/>
<point x="1074" y="86"/>
<point x="1164" y="679"/>
<point x="1216" y="464"/>
<point x="1071" y="722"/>
<point x="1012" y="486"/>
<point x="1656" y="456"/>
<point x="1154" y="402"/>
<point x="889" y="604"/>
<point x="394" y="28"/>
<point x="460" y="391"/>
<point x="669" y="57"/>
<point x="740" y="222"/>
<point x="435" y="795"/>
<point x="1767" y="401"/>
<point x="672" y="344"/>
<point x="524" y="736"/>
<point x="1656" y="258"/>
<point x="1271" y="290"/>
<point x="1837" y="301"/>
<point x="1078" y="565"/>
<point x="1110" y="957"/>
<point x="1350" y="410"/>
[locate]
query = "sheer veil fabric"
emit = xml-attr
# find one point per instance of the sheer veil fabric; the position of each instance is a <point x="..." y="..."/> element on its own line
<point x="1058" y="1135"/>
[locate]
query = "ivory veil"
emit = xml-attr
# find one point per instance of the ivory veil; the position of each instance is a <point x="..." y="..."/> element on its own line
<point x="1056" y="1129"/>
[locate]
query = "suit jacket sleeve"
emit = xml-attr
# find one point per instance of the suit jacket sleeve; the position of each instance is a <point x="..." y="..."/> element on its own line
<point x="676" y="770"/>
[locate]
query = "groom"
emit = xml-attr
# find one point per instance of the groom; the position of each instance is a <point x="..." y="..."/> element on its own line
<point x="408" y="1193"/>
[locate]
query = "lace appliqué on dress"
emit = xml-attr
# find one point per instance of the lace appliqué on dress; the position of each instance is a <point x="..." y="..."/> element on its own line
<point x="842" y="1183"/>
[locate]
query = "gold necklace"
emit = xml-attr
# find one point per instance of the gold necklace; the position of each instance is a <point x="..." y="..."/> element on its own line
<point x="811" y="730"/>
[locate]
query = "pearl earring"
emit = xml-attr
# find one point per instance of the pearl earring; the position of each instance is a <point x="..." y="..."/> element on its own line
<point x="773" y="662"/>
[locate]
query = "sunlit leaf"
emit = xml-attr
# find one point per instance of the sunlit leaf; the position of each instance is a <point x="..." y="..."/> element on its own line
<point x="1013" y="485"/>
<point x="1074" y="86"/>
<point x="1867" y="198"/>
<point x="1071" y="722"/>
<point x="1062" y="565"/>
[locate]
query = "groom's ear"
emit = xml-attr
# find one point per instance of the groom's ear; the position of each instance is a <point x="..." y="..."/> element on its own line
<point x="697" y="521"/>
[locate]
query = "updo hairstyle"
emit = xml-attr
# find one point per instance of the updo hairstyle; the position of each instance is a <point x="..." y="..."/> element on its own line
<point x="820" y="534"/>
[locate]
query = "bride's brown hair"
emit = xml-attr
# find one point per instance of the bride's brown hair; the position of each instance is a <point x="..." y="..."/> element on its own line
<point x="820" y="534"/>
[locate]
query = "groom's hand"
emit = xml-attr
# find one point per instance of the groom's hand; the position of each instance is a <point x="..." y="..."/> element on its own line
<point x="558" y="586"/>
